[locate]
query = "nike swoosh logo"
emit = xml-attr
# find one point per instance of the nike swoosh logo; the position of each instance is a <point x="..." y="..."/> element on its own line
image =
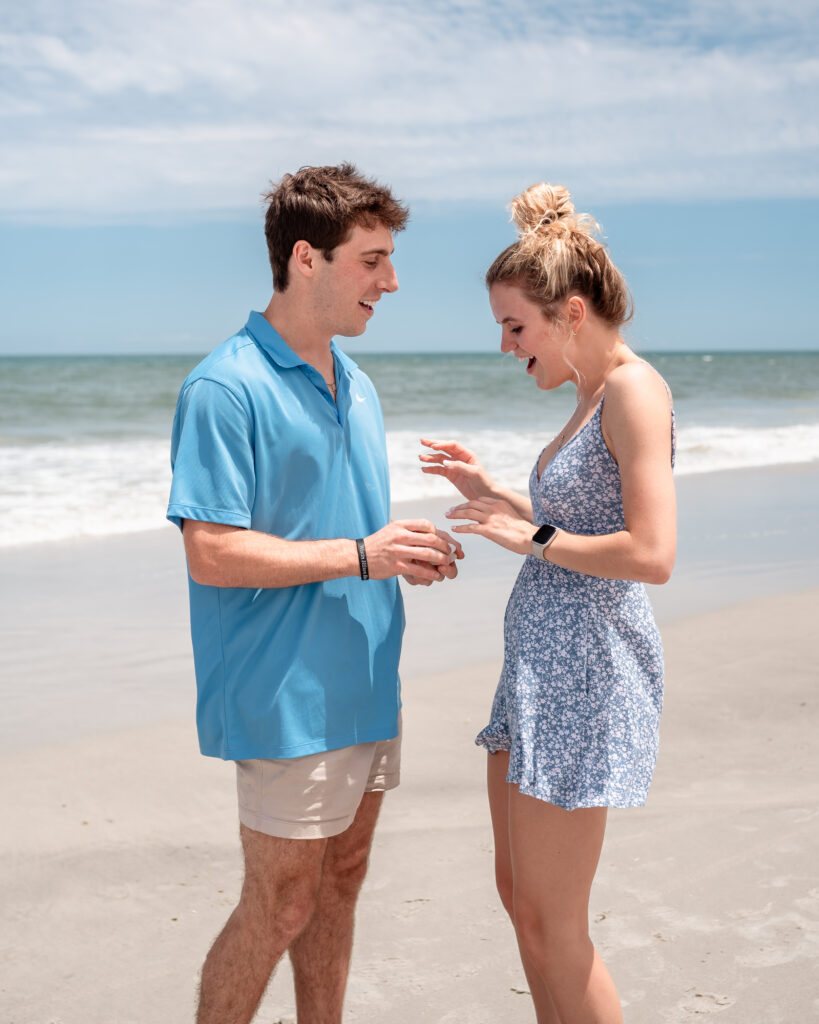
<point x="360" y="398"/>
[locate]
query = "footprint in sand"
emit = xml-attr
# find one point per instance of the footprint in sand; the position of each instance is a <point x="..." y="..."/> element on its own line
<point x="704" y="1002"/>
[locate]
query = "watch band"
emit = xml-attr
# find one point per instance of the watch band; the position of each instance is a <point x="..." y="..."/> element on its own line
<point x="543" y="537"/>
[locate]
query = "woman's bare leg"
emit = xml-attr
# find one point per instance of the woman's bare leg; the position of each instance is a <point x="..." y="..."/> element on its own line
<point x="499" y="790"/>
<point x="554" y="855"/>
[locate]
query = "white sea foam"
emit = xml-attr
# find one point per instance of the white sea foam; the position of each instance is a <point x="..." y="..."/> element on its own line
<point x="712" y="449"/>
<point x="59" y="491"/>
<point x="509" y="455"/>
<point x="53" y="492"/>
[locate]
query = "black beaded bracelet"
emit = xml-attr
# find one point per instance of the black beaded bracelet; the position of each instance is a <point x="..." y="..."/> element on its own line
<point x="362" y="559"/>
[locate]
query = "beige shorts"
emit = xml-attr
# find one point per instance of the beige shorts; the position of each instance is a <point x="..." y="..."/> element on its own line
<point x="316" y="796"/>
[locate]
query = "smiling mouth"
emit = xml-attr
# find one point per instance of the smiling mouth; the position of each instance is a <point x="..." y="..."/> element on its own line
<point x="531" y="363"/>
<point x="367" y="305"/>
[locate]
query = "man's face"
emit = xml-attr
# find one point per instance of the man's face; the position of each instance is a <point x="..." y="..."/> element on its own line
<point x="347" y="287"/>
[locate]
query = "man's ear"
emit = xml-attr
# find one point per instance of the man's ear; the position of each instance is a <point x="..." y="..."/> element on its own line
<point x="303" y="259"/>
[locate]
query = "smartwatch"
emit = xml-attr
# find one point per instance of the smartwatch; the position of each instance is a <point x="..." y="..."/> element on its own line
<point x="542" y="539"/>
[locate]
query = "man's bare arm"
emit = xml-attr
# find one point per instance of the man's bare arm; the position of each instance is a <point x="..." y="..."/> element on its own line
<point x="229" y="556"/>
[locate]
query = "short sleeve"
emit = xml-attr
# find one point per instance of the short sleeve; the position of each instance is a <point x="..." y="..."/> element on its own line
<point x="212" y="457"/>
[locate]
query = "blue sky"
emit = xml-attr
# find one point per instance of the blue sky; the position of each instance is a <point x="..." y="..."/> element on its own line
<point x="137" y="136"/>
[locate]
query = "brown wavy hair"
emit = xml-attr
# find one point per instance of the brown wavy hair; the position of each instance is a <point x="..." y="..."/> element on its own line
<point x="321" y="205"/>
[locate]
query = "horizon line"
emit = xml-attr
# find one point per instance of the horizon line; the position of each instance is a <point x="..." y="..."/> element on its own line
<point x="183" y="354"/>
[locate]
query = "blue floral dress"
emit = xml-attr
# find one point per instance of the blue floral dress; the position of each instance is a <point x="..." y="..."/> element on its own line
<point x="579" y="699"/>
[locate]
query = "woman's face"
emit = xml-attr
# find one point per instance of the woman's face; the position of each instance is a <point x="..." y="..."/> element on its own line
<point x="530" y="336"/>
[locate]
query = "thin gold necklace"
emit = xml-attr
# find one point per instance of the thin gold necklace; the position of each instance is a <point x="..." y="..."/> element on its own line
<point x="561" y="437"/>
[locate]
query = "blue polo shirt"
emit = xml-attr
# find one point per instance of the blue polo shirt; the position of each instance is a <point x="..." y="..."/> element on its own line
<point x="258" y="442"/>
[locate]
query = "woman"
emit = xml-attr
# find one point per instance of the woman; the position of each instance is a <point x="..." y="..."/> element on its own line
<point x="574" y="723"/>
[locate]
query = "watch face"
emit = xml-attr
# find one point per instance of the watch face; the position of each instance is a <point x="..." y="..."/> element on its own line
<point x="544" y="534"/>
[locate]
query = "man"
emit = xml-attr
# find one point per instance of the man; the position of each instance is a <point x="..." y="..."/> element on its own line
<point x="281" y="489"/>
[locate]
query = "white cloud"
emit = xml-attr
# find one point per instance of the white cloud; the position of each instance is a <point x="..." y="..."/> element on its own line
<point x="142" y="105"/>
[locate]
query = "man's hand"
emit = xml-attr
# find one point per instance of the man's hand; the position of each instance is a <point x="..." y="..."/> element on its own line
<point x="446" y="571"/>
<point x="414" y="549"/>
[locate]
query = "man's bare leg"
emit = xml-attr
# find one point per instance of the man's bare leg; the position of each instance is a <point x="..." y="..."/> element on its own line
<point x="282" y="879"/>
<point x="321" y="954"/>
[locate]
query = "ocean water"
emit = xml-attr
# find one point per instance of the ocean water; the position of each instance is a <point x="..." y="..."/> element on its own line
<point x="84" y="440"/>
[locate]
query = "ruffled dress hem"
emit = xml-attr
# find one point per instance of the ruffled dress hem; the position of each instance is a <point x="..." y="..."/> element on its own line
<point x="498" y="744"/>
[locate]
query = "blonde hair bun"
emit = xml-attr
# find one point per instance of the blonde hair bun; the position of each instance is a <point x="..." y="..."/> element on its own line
<point x="560" y="251"/>
<point x="540" y="206"/>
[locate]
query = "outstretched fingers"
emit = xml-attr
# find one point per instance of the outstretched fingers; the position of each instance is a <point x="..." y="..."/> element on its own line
<point x="481" y="512"/>
<point x="496" y="520"/>
<point x="478" y="509"/>
<point x="447" y="449"/>
<point x="478" y="518"/>
<point x="428" y="442"/>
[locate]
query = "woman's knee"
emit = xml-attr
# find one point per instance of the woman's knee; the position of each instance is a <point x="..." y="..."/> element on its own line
<point x="550" y="939"/>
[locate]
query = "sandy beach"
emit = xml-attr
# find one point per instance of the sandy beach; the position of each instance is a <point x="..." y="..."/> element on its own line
<point x="120" y="859"/>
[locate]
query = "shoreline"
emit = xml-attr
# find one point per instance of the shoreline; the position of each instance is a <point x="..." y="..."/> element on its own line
<point x="98" y="627"/>
<point x="154" y="521"/>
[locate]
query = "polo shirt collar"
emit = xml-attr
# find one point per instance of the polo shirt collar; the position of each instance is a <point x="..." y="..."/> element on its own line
<point x="262" y="331"/>
<point x="343" y="360"/>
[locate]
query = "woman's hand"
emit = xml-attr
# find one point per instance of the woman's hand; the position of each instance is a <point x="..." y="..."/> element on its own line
<point x="496" y="520"/>
<point x="459" y="466"/>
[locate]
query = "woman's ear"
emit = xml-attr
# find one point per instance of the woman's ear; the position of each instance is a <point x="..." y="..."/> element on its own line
<point x="576" y="313"/>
